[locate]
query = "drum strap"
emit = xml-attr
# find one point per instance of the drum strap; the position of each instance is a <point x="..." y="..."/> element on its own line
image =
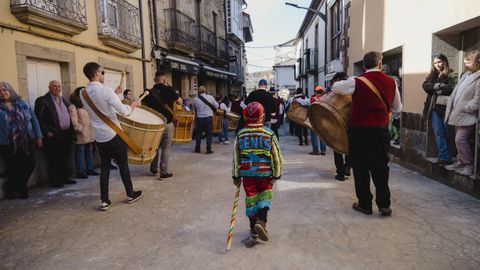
<point x="131" y="144"/>
<point x="374" y="89"/>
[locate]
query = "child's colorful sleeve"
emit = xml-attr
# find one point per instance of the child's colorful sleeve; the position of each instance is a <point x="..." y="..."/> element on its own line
<point x="236" y="159"/>
<point x="277" y="158"/>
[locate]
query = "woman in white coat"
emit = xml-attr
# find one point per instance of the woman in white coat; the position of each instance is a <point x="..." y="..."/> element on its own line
<point x="462" y="112"/>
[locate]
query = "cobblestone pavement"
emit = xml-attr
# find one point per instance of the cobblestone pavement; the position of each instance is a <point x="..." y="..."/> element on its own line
<point x="181" y="222"/>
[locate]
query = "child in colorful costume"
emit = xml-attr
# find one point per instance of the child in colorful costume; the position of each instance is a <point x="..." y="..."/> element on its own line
<point x="257" y="160"/>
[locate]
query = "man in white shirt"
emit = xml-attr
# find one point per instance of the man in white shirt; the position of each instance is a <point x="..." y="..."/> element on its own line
<point x="110" y="145"/>
<point x="204" y="105"/>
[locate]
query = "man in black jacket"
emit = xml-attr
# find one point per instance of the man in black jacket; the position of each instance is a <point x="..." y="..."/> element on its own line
<point x="161" y="98"/>
<point x="262" y="96"/>
<point x="54" y="118"/>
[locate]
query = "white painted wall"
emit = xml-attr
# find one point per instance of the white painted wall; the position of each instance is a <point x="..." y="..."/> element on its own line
<point x="284" y="77"/>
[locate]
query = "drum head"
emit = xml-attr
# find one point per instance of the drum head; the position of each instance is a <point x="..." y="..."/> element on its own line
<point x="143" y="116"/>
<point x="327" y="122"/>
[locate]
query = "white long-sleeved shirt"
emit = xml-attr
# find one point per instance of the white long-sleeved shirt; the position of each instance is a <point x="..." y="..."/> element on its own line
<point x="109" y="104"/>
<point x="347" y="87"/>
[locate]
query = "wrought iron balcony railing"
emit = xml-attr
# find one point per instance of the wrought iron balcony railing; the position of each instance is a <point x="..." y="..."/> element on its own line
<point x="65" y="16"/>
<point x="223" y="50"/>
<point x="311" y="60"/>
<point x="180" y="30"/>
<point x="119" y="24"/>
<point x="207" y="41"/>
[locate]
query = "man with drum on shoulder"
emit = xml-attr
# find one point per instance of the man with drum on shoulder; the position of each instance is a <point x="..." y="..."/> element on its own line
<point x="205" y="106"/>
<point x="374" y="96"/>
<point x="109" y="143"/>
<point x="162" y="99"/>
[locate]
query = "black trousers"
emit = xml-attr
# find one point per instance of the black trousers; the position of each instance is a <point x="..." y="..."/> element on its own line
<point x="274" y="127"/>
<point x="302" y="134"/>
<point x="19" y="168"/>
<point x="368" y="149"/>
<point x="58" y="152"/>
<point x="204" y="124"/>
<point x="115" y="149"/>
<point x="341" y="164"/>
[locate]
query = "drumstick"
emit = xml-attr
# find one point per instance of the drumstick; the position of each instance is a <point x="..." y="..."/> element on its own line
<point x="146" y="93"/>
<point x="121" y="80"/>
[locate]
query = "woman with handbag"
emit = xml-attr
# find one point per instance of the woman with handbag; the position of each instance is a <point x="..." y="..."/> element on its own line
<point x="439" y="85"/>
<point x="462" y="112"/>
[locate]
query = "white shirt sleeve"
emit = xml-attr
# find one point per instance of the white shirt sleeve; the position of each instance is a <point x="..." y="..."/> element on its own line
<point x="397" y="105"/>
<point x="345" y="87"/>
<point x="114" y="100"/>
<point x="303" y="101"/>
<point x="224" y="107"/>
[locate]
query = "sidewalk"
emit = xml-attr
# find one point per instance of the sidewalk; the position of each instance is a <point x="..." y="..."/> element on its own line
<point x="182" y="222"/>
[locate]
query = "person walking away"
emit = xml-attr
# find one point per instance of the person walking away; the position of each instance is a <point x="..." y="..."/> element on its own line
<point x="162" y="99"/>
<point x="52" y="114"/>
<point x="262" y="96"/>
<point x="225" y="106"/>
<point x="439" y="85"/>
<point x="300" y="131"/>
<point x="462" y="112"/>
<point x="374" y="95"/>
<point x="205" y="105"/>
<point x="257" y="161"/>
<point x="19" y="134"/>
<point x="109" y="143"/>
<point x="313" y="136"/>
<point x="84" y="136"/>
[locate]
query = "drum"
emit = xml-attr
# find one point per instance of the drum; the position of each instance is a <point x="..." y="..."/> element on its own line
<point x="329" y="117"/>
<point x="299" y="115"/>
<point x="233" y="119"/>
<point x="217" y="121"/>
<point x="145" y="127"/>
<point x="183" y="127"/>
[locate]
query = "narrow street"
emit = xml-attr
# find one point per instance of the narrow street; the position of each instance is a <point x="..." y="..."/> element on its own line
<point x="181" y="223"/>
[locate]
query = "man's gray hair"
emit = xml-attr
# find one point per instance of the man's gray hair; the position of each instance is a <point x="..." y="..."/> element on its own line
<point x="202" y="89"/>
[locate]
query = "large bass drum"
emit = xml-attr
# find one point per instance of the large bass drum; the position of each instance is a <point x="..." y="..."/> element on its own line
<point x="183" y="127"/>
<point x="233" y="119"/>
<point x="217" y="121"/>
<point x="299" y="115"/>
<point x="145" y="127"/>
<point x="329" y="117"/>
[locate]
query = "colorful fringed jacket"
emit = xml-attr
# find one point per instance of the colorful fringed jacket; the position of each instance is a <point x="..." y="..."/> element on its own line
<point x="256" y="153"/>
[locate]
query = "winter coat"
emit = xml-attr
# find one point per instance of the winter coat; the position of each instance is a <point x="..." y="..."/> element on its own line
<point x="81" y="124"/>
<point x="438" y="87"/>
<point x="31" y="124"/>
<point x="464" y="111"/>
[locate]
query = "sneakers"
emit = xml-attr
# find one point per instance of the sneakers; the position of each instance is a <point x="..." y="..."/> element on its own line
<point x="385" y="211"/>
<point x="153" y="172"/>
<point x="466" y="170"/>
<point x="357" y="207"/>
<point x="166" y="175"/>
<point x="314" y="153"/>
<point x="226" y="142"/>
<point x="135" y="197"/>
<point x="261" y="230"/>
<point x="209" y="152"/>
<point x="105" y="205"/>
<point x="454" y="166"/>
<point x="253" y="235"/>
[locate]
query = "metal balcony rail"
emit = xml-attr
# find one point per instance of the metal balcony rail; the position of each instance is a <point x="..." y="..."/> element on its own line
<point x="311" y="59"/>
<point x="121" y="19"/>
<point x="208" y="41"/>
<point x="180" y="28"/>
<point x="73" y="10"/>
<point x="223" y="49"/>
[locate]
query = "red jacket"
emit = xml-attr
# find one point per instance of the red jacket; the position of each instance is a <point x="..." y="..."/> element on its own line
<point x="367" y="108"/>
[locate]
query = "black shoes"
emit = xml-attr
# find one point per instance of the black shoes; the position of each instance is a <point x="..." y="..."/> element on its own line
<point x="166" y="175"/>
<point x="56" y="185"/>
<point x="347" y="171"/>
<point x="69" y="182"/>
<point x="92" y="173"/>
<point x="209" y="152"/>
<point x="81" y="176"/>
<point x="444" y="162"/>
<point x="314" y="153"/>
<point x="386" y="212"/>
<point x="196" y="150"/>
<point x="322" y="153"/>
<point x="135" y="197"/>
<point x="358" y="208"/>
<point x="340" y="177"/>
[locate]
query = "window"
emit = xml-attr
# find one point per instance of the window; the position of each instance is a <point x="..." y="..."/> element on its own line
<point x="336" y="29"/>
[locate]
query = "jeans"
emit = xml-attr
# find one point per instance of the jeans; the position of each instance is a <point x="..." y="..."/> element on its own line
<point x="315" y="142"/>
<point x="440" y="131"/>
<point x="223" y="136"/>
<point x="83" y="154"/>
<point x="116" y="149"/>
<point x="165" y="146"/>
<point x="204" y="124"/>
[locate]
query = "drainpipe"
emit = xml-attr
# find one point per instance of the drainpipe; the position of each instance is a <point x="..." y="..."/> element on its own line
<point x="144" y="65"/>
<point x="325" y="57"/>
<point x="226" y="39"/>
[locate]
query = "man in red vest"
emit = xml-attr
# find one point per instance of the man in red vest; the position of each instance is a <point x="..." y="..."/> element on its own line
<point x="374" y="96"/>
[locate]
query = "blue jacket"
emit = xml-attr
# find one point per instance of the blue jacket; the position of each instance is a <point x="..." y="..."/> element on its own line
<point x="31" y="124"/>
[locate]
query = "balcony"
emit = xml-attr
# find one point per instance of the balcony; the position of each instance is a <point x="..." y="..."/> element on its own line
<point x="223" y="55"/>
<point x="311" y="60"/>
<point x="300" y="69"/>
<point x="180" y="31"/>
<point x="207" y="43"/>
<point x="67" y="16"/>
<point x="119" y="25"/>
<point x="238" y="69"/>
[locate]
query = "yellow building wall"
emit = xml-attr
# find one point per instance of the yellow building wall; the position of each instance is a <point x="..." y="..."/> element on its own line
<point x="383" y="25"/>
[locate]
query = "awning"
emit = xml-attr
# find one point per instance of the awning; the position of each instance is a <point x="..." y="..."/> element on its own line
<point x="182" y="65"/>
<point x="329" y="76"/>
<point x="219" y="74"/>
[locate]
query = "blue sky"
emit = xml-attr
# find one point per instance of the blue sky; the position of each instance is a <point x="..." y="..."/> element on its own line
<point x="273" y="23"/>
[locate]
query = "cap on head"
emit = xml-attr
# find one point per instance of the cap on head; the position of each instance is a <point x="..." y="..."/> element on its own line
<point x="262" y="82"/>
<point x="318" y="88"/>
<point x="254" y="113"/>
<point x="272" y="90"/>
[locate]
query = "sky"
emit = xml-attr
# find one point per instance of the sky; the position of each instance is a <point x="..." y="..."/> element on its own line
<point x="273" y="23"/>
